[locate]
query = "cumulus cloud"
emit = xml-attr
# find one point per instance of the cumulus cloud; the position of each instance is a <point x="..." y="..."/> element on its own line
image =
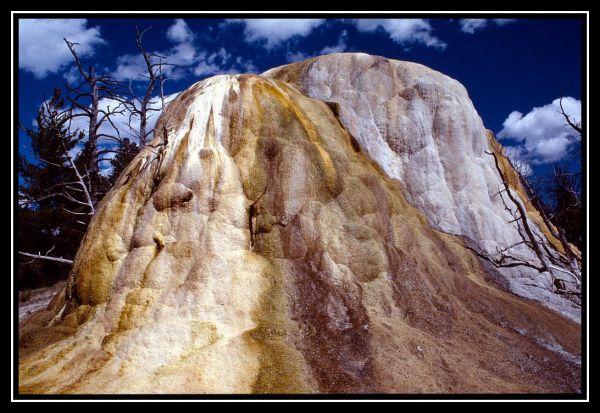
<point x="42" y="49"/>
<point x="121" y="121"/>
<point x="182" y="54"/>
<point x="212" y="63"/>
<point x="126" y="126"/>
<point x="341" y="46"/>
<point x="72" y="76"/>
<point x="472" y="25"/>
<point x="273" y="32"/>
<point x="205" y="68"/>
<point x="402" y="31"/>
<point x="222" y="62"/>
<point x="180" y="32"/>
<point x="186" y="57"/>
<point x="130" y="67"/>
<point x="543" y="132"/>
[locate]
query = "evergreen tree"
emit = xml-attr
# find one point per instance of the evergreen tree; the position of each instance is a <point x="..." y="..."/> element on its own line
<point x="125" y="154"/>
<point x="54" y="202"/>
<point x="50" y="220"/>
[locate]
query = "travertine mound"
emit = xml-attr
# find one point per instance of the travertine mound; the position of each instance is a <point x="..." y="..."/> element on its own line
<point x="421" y="127"/>
<point x="257" y="247"/>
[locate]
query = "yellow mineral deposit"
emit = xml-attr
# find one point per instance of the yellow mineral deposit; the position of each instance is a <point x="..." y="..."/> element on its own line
<point x="263" y="250"/>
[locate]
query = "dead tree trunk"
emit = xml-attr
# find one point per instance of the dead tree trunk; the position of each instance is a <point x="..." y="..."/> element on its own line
<point x="93" y="136"/>
<point x="143" y="107"/>
<point x="522" y="218"/>
<point x="573" y="258"/>
<point x="86" y="98"/>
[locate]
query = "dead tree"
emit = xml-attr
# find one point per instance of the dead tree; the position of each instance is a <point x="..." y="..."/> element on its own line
<point x="142" y="107"/>
<point x="158" y="149"/>
<point x="46" y="257"/>
<point x="73" y="187"/>
<point x="78" y="190"/>
<point x="548" y="260"/>
<point x="573" y="258"/>
<point x="520" y="217"/>
<point x="85" y="101"/>
<point x="102" y="135"/>
<point x="532" y="190"/>
<point x="560" y="182"/>
<point x="575" y="125"/>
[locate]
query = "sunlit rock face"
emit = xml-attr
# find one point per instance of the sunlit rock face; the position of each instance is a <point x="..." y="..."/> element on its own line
<point x="258" y="245"/>
<point x="420" y="126"/>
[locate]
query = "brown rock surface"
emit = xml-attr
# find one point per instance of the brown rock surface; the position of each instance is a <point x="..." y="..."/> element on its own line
<point x="263" y="251"/>
<point x="421" y="127"/>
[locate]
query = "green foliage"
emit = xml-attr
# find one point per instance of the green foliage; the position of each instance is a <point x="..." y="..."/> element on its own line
<point x="46" y="224"/>
<point x="126" y="152"/>
<point x="49" y="216"/>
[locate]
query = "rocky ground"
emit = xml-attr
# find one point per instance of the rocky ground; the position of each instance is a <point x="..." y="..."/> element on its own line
<point x="31" y="301"/>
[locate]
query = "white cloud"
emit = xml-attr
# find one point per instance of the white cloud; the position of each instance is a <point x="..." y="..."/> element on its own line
<point x="222" y="54"/>
<point x="402" y="31"/>
<point x="205" y="68"/>
<point x="127" y="127"/>
<point x="222" y="62"/>
<point x="244" y="66"/>
<point x="42" y="49"/>
<point x="186" y="56"/>
<point x="341" y="46"/>
<point x="72" y="76"/>
<point x="121" y="121"/>
<point x="208" y="62"/>
<point x="273" y="32"/>
<point x="472" y="25"/>
<point x="543" y="132"/>
<point x="293" y="57"/>
<point x="550" y="150"/>
<point x="180" y="32"/>
<point x="130" y="67"/>
<point x="183" y="54"/>
<point x="502" y="22"/>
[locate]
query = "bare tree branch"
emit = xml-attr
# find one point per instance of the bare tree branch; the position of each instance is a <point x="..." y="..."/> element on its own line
<point x="77" y="61"/>
<point x="575" y="126"/>
<point x="522" y="216"/>
<point x="45" y="257"/>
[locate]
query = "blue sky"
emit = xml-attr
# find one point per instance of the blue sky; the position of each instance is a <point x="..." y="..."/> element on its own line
<point x="513" y="69"/>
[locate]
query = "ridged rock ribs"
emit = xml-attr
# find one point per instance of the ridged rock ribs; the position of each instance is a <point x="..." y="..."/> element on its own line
<point x="275" y="246"/>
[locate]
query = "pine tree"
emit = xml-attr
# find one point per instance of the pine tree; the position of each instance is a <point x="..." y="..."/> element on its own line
<point x="125" y="154"/>
<point x="54" y="192"/>
<point x="49" y="222"/>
